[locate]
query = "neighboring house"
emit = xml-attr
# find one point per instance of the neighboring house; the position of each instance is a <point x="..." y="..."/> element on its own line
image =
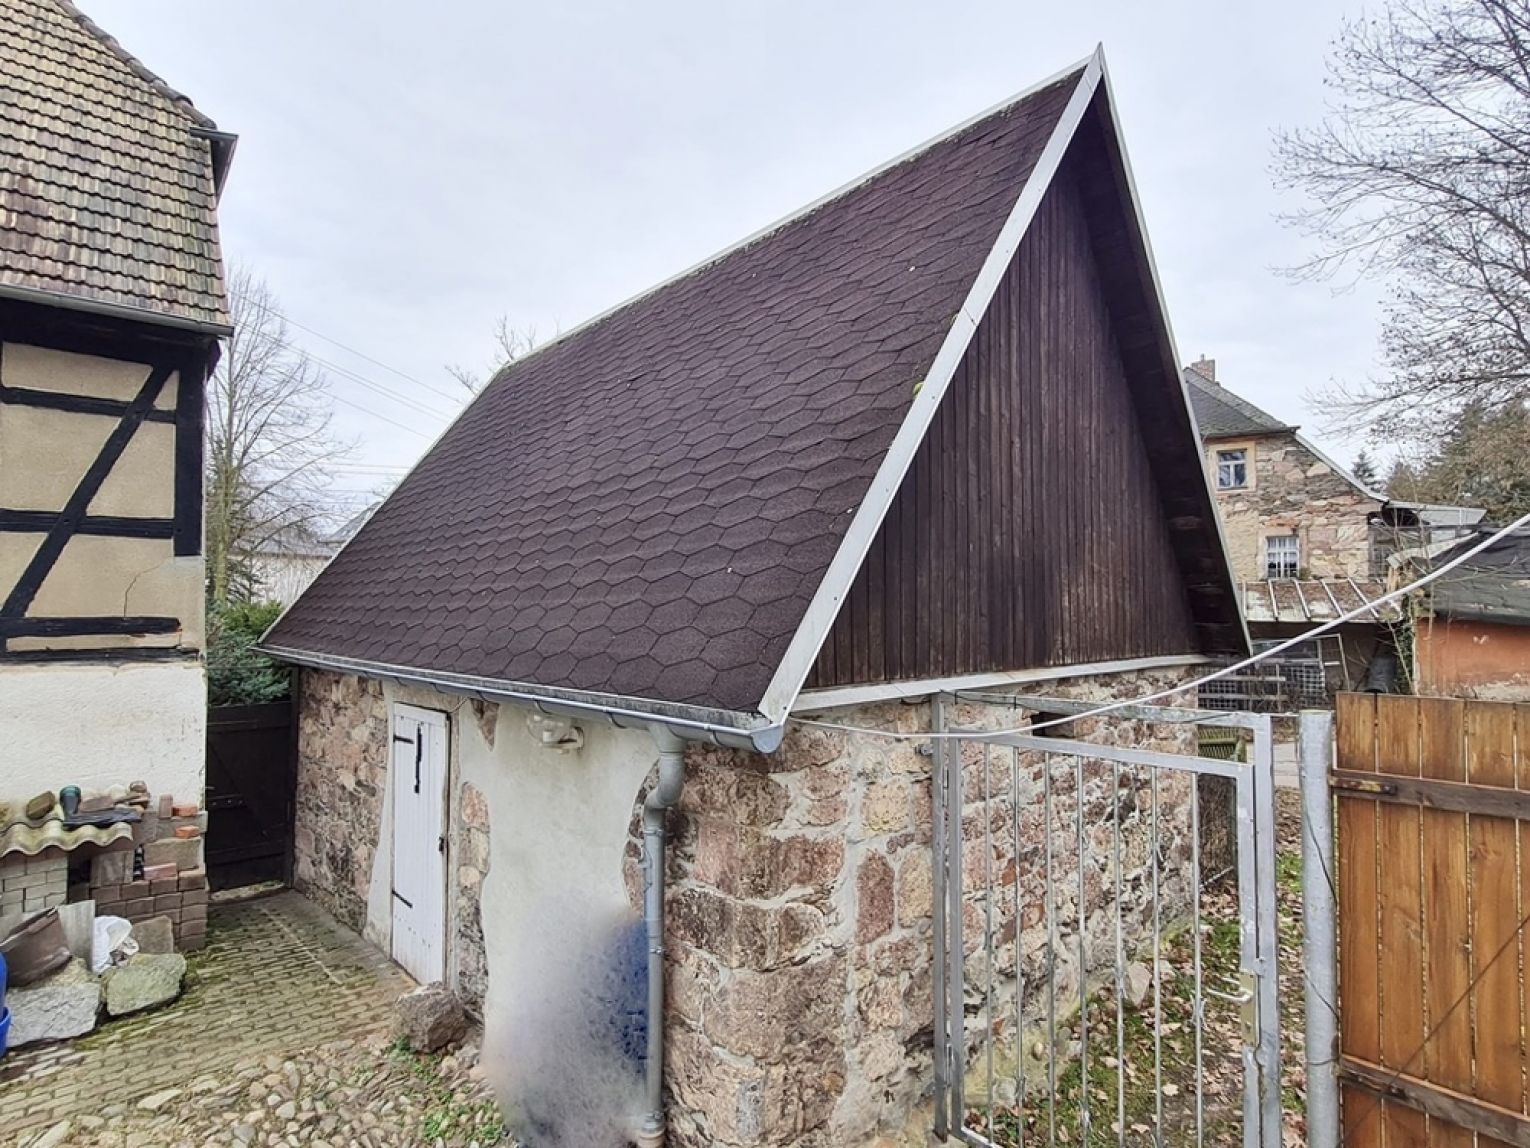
<point x="1308" y="542"/>
<point x="283" y="566"/>
<point x="111" y="308"/>
<point x="926" y="434"/>
<point x="1469" y="631"/>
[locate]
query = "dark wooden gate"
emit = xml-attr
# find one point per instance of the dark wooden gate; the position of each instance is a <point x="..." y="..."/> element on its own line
<point x="251" y="774"/>
<point x="1434" y="893"/>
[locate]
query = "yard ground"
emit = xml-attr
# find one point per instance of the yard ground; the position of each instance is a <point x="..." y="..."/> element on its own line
<point x="1223" y="1074"/>
<point x="280" y="1038"/>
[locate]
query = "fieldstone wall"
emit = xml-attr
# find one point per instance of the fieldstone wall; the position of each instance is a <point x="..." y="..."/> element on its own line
<point x="800" y="913"/>
<point x="1294" y="491"/>
<point x="342" y="776"/>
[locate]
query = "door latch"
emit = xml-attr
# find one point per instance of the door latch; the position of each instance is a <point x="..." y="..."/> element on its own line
<point x="441" y="843"/>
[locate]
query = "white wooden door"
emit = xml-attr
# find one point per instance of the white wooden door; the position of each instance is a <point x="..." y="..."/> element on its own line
<point x="419" y="842"/>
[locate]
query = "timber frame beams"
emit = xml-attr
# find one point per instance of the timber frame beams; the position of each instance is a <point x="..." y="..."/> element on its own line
<point x="190" y="361"/>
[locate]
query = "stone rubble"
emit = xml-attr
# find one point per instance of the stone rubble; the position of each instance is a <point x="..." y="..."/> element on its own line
<point x="62" y="1006"/>
<point x="143" y="981"/>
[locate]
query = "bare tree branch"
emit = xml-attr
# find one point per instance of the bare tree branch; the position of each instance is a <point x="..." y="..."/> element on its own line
<point x="269" y="441"/>
<point x="510" y="344"/>
<point x="1419" y="176"/>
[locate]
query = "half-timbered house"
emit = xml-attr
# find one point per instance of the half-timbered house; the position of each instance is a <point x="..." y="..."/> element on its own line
<point x="928" y="434"/>
<point x="111" y="308"/>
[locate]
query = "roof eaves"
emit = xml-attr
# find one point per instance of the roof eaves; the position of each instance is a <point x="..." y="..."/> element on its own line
<point x="71" y="302"/>
<point x="134" y="64"/>
<point x="787" y="681"/>
<point x="724" y="727"/>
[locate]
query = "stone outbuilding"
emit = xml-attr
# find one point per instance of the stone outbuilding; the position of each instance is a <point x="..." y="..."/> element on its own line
<point x="928" y="434"/>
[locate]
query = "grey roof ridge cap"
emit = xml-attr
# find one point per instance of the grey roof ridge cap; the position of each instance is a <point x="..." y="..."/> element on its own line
<point x="694" y="723"/>
<point x="799" y="214"/>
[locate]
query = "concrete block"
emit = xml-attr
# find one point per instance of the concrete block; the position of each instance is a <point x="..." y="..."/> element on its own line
<point x="155" y="935"/>
<point x="192" y="879"/>
<point x="114" y="868"/>
<point x="158" y="872"/>
<point x="79" y="922"/>
<point x="167" y="901"/>
<point x="166" y="807"/>
<point x="162" y="886"/>
<point x="183" y="853"/>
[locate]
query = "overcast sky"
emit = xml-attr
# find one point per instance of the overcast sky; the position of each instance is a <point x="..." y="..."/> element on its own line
<point x="408" y="172"/>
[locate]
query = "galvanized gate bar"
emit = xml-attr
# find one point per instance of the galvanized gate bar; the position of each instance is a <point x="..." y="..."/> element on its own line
<point x="1257" y="952"/>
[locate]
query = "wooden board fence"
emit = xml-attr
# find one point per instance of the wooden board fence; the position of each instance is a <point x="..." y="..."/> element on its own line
<point x="1434" y="896"/>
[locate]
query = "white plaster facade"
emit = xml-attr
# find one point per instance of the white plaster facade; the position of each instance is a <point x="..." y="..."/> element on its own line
<point x="96" y="726"/>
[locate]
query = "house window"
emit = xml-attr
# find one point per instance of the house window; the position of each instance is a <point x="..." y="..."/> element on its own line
<point x="1282" y="556"/>
<point x="1232" y="469"/>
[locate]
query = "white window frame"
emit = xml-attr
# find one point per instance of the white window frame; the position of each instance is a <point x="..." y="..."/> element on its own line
<point x="1244" y="460"/>
<point x="1288" y="552"/>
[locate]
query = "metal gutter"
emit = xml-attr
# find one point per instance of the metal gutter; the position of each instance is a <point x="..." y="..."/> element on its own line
<point x="113" y="310"/>
<point x="835" y="698"/>
<point x="693" y="723"/>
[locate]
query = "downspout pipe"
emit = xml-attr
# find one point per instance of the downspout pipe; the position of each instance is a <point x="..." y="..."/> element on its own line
<point x="658" y="803"/>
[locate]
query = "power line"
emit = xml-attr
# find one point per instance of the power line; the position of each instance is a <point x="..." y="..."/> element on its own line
<point x="374" y="362"/>
<point x="377" y="415"/>
<point x="388" y="392"/>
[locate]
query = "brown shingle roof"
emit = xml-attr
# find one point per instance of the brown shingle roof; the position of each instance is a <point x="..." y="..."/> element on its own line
<point x="105" y="193"/>
<point x="645" y="507"/>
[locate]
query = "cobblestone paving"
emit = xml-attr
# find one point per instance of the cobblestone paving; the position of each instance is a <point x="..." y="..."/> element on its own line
<point x="277" y="980"/>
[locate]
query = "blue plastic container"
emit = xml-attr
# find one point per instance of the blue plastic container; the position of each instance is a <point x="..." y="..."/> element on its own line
<point x="5" y="1031"/>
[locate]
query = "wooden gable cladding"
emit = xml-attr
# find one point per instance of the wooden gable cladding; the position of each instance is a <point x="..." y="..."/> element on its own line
<point x="1030" y="530"/>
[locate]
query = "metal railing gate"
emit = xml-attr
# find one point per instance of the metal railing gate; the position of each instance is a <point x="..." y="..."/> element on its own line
<point x="1092" y="985"/>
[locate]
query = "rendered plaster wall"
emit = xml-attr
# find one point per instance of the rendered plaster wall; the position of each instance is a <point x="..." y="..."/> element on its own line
<point x="96" y="726"/>
<point x="1292" y="491"/>
<point x="527" y="824"/>
<point x="1463" y="659"/>
<point x="43" y="456"/>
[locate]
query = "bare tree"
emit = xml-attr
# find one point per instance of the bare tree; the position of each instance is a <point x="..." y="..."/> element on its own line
<point x="269" y="443"/>
<point x="1420" y="176"/>
<point x="510" y="344"/>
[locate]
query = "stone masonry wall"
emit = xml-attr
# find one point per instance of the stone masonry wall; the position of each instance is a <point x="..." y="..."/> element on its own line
<point x="800" y="915"/>
<point x="343" y="749"/>
<point x="342" y="776"/>
<point x="1294" y="491"/>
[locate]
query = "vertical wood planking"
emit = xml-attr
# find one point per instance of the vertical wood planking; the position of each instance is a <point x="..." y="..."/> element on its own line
<point x="1494" y="874"/>
<point x="1399" y="883"/>
<point x="1447" y="1059"/>
<point x="1030" y="530"/>
<point x="1359" y="1012"/>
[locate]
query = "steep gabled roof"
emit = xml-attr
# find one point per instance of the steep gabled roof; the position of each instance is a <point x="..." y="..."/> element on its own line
<point x="107" y="175"/>
<point x="1221" y="414"/>
<point x="661" y="512"/>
